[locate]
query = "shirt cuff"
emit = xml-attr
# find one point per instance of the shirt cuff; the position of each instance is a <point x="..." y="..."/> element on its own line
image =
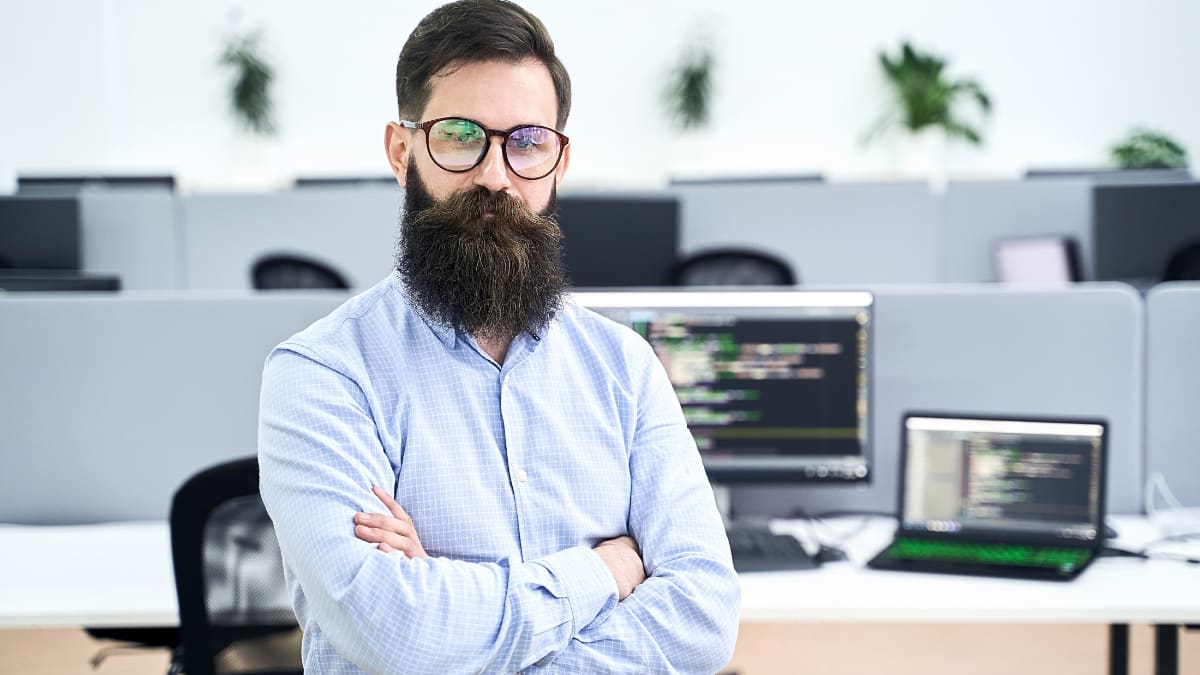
<point x="586" y="582"/>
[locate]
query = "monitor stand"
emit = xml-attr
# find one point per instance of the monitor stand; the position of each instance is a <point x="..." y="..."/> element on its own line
<point x="724" y="497"/>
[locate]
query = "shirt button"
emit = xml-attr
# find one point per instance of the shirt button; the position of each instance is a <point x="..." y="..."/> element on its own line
<point x="522" y="476"/>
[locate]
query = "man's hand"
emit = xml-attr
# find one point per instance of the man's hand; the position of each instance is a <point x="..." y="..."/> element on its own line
<point x="624" y="560"/>
<point x="392" y="533"/>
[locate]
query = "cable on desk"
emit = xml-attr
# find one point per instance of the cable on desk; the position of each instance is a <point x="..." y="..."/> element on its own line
<point x="1187" y="536"/>
<point x="1115" y="552"/>
<point x="820" y="518"/>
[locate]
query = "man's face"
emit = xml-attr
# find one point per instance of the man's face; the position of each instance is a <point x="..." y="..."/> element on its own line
<point x="477" y="250"/>
<point x="499" y="95"/>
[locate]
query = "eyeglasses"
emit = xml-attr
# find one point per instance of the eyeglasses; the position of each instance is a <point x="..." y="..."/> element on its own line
<point x="459" y="145"/>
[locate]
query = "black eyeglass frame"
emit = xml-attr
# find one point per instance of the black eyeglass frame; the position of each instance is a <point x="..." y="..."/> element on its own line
<point x="504" y="135"/>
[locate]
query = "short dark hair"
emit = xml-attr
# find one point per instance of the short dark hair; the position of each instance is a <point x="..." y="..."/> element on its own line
<point x="471" y="31"/>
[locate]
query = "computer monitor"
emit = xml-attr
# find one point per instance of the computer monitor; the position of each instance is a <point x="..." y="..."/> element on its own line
<point x="619" y="240"/>
<point x="1138" y="228"/>
<point x="775" y="385"/>
<point x="383" y="181"/>
<point x="54" y="280"/>
<point x="40" y="233"/>
<point x="1113" y="175"/>
<point x="1036" y="260"/>
<point x="72" y="184"/>
<point x="717" y="181"/>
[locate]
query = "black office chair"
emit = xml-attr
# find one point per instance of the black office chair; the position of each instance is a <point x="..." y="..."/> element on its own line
<point x="234" y="610"/>
<point x="732" y="267"/>
<point x="277" y="272"/>
<point x="1184" y="264"/>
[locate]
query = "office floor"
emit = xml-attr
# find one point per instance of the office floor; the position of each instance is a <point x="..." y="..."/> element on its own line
<point x="896" y="649"/>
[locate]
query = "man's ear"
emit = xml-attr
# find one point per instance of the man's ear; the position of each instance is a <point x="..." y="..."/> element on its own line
<point x="561" y="170"/>
<point x="396" y="141"/>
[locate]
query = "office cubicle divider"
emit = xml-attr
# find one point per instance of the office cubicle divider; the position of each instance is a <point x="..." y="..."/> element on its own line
<point x="831" y="233"/>
<point x="110" y="403"/>
<point x="1173" y="388"/>
<point x="1066" y="352"/>
<point x="134" y="234"/>
<point x="351" y="229"/>
<point x="976" y="214"/>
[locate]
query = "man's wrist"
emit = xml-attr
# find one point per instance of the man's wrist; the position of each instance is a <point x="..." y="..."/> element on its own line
<point x="588" y="585"/>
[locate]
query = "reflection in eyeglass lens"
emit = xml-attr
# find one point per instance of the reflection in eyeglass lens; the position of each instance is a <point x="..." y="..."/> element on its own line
<point x="459" y="144"/>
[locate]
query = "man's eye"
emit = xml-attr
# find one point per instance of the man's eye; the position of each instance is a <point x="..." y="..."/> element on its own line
<point x="462" y="132"/>
<point x="528" y="138"/>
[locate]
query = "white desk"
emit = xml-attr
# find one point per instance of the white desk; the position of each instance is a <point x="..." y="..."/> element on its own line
<point x="1111" y="590"/>
<point x="120" y="575"/>
<point x="111" y="575"/>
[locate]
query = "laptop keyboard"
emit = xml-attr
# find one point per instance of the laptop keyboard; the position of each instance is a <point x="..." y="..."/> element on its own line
<point x="1022" y="555"/>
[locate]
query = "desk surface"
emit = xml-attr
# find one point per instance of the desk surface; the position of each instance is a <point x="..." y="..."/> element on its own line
<point x="120" y="575"/>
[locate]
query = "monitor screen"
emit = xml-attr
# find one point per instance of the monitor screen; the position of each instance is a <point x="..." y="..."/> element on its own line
<point x="1032" y="477"/>
<point x="775" y="385"/>
<point x="1036" y="260"/>
<point x="39" y="233"/>
<point x="597" y="230"/>
<point x="1138" y="229"/>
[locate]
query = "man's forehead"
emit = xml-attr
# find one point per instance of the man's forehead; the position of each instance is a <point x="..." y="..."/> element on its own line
<point x="500" y="94"/>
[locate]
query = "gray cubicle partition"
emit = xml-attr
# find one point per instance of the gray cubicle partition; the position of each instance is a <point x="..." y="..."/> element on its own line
<point x="831" y="233"/>
<point x="1173" y="387"/>
<point x="353" y="229"/>
<point x="990" y="349"/>
<point x="110" y="403"/>
<point x="134" y="234"/>
<point x="977" y="213"/>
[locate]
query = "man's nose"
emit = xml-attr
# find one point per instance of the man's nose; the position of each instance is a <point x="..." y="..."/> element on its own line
<point x="492" y="173"/>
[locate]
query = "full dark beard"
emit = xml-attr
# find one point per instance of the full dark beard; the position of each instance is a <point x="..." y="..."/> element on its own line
<point x="492" y="278"/>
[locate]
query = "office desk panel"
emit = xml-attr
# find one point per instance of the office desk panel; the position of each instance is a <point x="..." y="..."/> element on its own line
<point x="108" y="404"/>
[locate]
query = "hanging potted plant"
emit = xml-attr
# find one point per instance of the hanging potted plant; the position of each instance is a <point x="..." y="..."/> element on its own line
<point x="926" y="107"/>
<point x="253" y="158"/>
<point x="250" y="91"/>
<point x="687" y="100"/>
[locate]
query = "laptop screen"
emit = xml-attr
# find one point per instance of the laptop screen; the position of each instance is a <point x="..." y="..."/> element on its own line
<point x="1026" y="478"/>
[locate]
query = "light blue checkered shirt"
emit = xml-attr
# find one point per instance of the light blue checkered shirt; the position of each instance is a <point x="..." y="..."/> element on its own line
<point x="511" y="474"/>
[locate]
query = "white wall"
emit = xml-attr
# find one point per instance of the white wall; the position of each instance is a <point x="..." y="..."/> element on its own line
<point x="134" y="85"/>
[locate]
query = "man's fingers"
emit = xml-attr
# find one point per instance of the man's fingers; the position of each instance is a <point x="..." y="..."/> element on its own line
<point x="391" y="504"/>
<point x="388" y="541"/>
<point x="386" y="523"/>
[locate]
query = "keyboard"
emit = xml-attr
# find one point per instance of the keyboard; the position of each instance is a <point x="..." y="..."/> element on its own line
<point x="759" y="550"/>
<point x="1023" y="555"/>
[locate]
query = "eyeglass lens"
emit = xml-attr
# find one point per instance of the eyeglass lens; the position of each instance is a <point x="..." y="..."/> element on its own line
<point x="458" y="145"/>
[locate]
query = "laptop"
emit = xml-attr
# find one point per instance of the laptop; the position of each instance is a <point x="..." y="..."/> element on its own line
<point x="999" y="496"/>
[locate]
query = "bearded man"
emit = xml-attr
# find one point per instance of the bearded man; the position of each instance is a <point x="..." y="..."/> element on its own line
<point x="467" y="472"/>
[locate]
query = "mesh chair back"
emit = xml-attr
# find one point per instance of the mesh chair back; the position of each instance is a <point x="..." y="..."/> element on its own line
<point x="733" y="267"/>
<point x="235" y="615"/>
<point x="277" y="272"/>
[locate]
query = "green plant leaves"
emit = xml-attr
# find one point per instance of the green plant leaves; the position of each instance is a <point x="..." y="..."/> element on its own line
<point x="926" y="97"/>
<point x="688" y="95"/>
<point x="1147" y="149"/>
<point x="250" y="95"/>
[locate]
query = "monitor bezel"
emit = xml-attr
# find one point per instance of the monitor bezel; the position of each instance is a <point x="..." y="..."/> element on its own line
<point x="766" y="298"/>
<point x="989" y="534"/>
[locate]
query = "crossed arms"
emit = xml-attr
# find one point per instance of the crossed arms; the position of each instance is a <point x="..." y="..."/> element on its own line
<point x="387" y="608"/>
